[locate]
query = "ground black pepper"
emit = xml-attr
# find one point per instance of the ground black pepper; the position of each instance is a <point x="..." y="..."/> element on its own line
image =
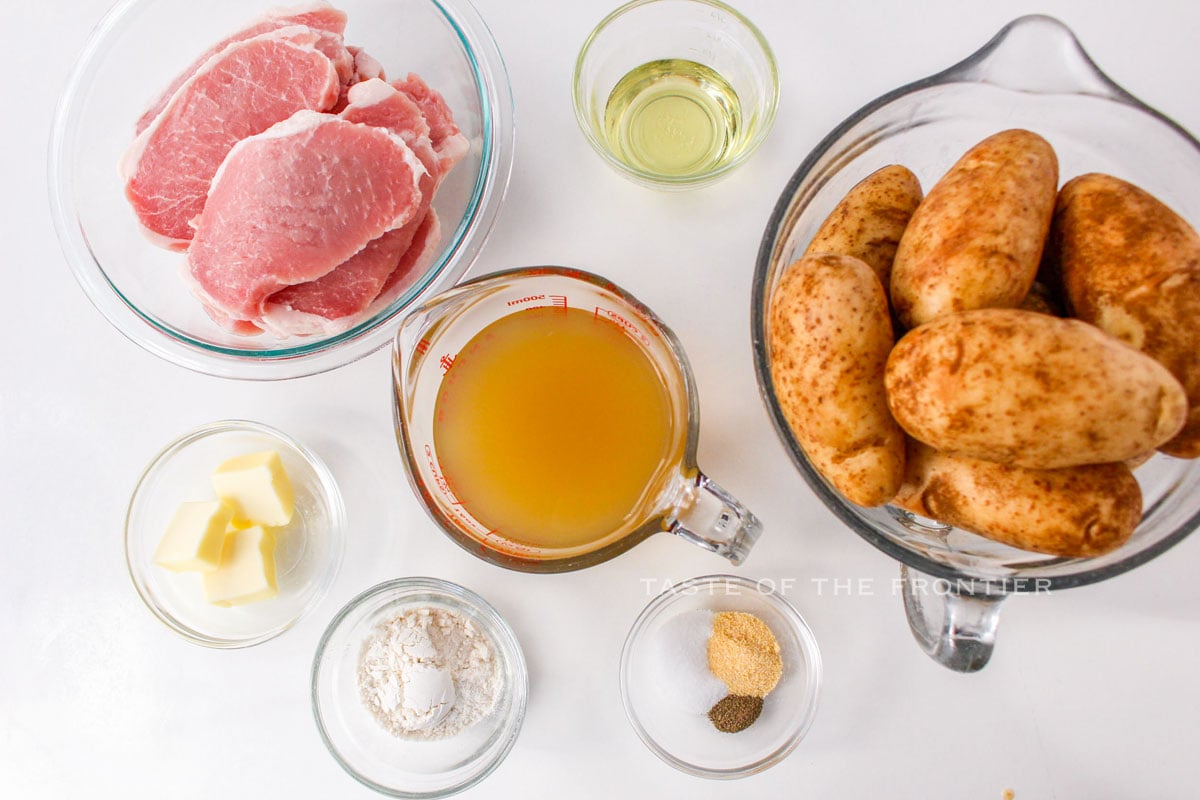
<point x="736" y="712"/>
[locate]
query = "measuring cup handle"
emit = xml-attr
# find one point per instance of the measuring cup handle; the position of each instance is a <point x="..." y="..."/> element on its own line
<point x="956" y="628"/>
<point x="707" y="515"/>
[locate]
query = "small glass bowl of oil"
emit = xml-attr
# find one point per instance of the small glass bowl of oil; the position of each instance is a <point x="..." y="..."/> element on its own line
<point x="675" y="93"/>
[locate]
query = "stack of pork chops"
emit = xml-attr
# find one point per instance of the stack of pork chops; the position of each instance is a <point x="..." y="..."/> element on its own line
<point x="297" y="179"/>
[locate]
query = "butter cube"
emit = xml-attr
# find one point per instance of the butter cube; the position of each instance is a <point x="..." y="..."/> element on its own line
<point x="194" y="537"/>
<point x="257" y="487"/>
<point x="247" y="571"/>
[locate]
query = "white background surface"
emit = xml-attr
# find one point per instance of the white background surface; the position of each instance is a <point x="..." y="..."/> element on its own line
<point x="1092" y="692"/>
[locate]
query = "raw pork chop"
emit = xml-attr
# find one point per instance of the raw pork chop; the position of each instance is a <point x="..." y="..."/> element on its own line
<point x="448" y="141"/>
<point x="282" y="322"/>
<point x="291" y="204"/>
<point x="374" y="102"/>
<point x="249" y="87"/>
<point x="324" y="19"/>
<point x="317" y="306"/>
<point x="330" y="303"/>
<point x="366" y="67"/>
<point x="414" y="262"/>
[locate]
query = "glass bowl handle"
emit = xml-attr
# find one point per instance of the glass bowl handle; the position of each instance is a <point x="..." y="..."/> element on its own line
<point x="1039" y="54"/>
<point x="955" y="628"/>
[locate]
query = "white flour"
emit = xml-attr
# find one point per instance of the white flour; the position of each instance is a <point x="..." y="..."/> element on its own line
<point x="428" y="673"/>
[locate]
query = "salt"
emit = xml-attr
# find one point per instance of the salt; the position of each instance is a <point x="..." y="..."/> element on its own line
<point x="680" y="662"/>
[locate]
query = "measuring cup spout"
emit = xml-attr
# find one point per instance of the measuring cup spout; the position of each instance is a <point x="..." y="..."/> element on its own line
<point x="707" y="515"/>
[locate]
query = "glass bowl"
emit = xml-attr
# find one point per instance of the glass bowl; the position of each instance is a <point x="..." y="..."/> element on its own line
<point x="135" y="49"/>
<point x="402" y="767"/>
<point x="307" y="556"/>
<point x="704" y="31"/>
<point x="689" y="742"/>
<point x="1033" y="74"/>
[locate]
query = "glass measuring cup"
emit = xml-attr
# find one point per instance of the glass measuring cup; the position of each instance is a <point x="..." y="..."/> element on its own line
<point x="678" y="497"/>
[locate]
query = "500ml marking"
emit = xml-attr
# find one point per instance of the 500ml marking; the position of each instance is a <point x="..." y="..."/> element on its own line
<point x="556" y="300"/>
<point x="533" y="298"/>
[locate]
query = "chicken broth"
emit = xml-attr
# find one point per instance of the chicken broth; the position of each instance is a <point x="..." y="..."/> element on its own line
<point x="553" y="428"/>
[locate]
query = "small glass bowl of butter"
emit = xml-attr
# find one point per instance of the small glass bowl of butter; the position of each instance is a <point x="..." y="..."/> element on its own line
<point x="303" y="558"/>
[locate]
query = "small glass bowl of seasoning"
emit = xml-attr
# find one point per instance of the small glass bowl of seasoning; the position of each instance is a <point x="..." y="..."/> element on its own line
<point x="419" y="688"/>
<point x="720" y="676"/>
<point x="675" y="93"/>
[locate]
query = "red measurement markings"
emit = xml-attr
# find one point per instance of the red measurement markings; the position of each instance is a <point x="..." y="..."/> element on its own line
<point x="446" y="362"/>
<point x="465" y="520"/>
<point x="559" y="301"/>
<point x="456" y="511"/>
<point x="617" y="319"/>
<point x="423" y="346"/>
<point x="438" y="479"/>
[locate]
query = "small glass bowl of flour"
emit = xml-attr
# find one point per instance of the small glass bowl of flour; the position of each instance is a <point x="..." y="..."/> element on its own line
<point x="419" y="688"/>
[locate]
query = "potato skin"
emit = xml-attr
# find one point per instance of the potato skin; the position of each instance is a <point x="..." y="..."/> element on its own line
<point x="1022" y="388"/>
<point x="830" y="333"/>
<point x="1131" y="266"/>
<point x="977" y="238"/>
<point x="1042" y="300"/>
<point x="870" y="219"/>
<point x="1074" y="512"/>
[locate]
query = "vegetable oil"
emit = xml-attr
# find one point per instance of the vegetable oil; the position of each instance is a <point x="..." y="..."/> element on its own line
<point x="673" y="117"/>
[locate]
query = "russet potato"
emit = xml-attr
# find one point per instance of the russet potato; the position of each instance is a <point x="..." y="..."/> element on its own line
<point x="976" y="239"/>
<point x="1042" y="299"/>
<point x="829" y="337"/>
<point x="870" y="219"/>
<point x="1078" y="511"/>
<point x="1030" y="390"/>
<point x="1131" y="266"/>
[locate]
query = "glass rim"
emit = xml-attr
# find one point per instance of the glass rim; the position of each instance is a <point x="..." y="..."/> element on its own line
<point x="582" y="117"/>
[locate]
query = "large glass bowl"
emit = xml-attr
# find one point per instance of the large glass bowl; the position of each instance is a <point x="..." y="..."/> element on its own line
<point x="137" y="48"/>
<point x="1033" y="74"/>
